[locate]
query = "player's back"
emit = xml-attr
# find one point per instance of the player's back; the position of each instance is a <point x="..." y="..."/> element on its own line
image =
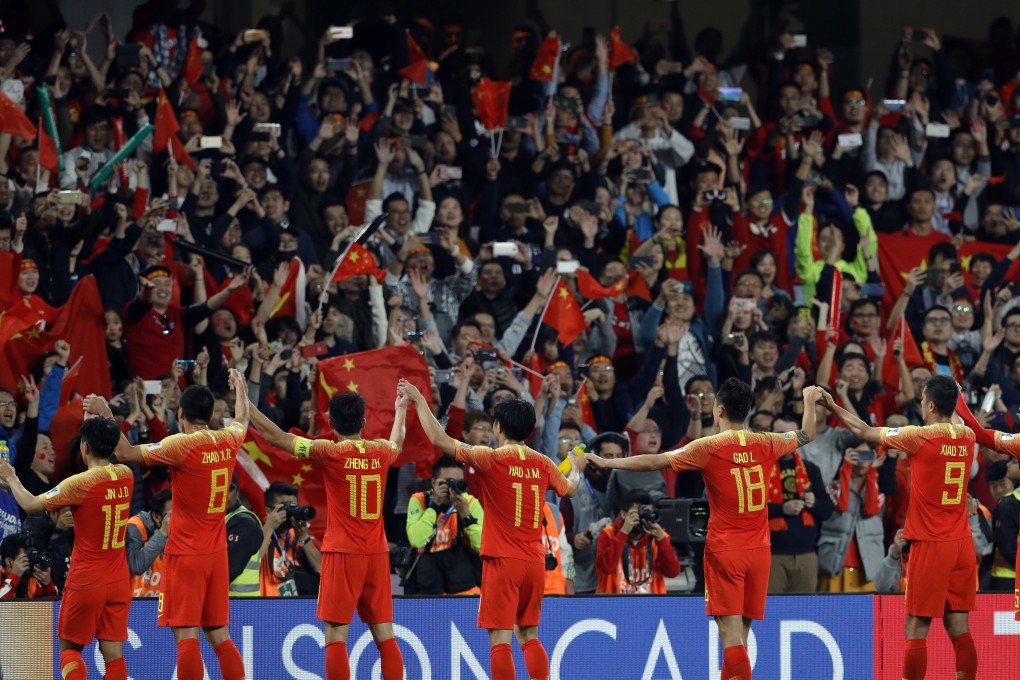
<point x="514" y="480"/>
<point x="203" y="463"/>
<point x="941" y="456"/>
<point x="101" y="508"/>
<point x="355" y="472"/>
<point x="736" y="469"/>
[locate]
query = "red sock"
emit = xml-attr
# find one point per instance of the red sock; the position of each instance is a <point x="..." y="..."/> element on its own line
<point x="536" y="660"/>
<point x="189" y="660"/>
<point x="501" y="662"/>
<point x="392" y="660"/>
<point x="736" y="665"/>
<point x="231" y="664"/>
<point x="71" y="665"/>
<point x="116" y="669"/>
<point x="338" y="666"/>
<point x="966" y="657"/>
<point x="915" y="659"/>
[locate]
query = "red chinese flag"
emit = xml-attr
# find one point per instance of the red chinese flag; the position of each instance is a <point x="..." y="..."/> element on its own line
<point x="193" y="66"/>
<point x="544" y="66"/>
<point x="491" y="99"/>
<point x="13" y="120"/>
<point x="240" y="302"/>
<point x="564" y="314"/>
<point x="637" y="287"/>
<point x="593" y="290"/>
<point x="355" y="202"/>
<point x="374" y="375"/>
<point x="835" y="299"/>
<point x="265" y="464"/>
<point x="65" y="426"/>
<point x="359" y="261"/>
<point x="911" y="354"/>
<point x="291" y="301"/>
<point x="166" y="123"/>
<point x="80" y="321"/>
<point x="619" y="52"/>
<point x="70" y="381"/>
<point x="417" y="63"/>
<point x="584" y="403"/>
<point x="48" y="158"/>
<point x="11" y="326"/>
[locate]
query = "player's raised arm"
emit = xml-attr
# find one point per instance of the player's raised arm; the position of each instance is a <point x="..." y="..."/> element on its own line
<point x="242" y="409"/>
<point x="399" y="430"/>
<point x="433" y="430"/>
<point x="270" y="430"/>
<point x="642" y="463"/>
<point x="872" y="435"/>
<point x="126" y="452"/>
<point x="577" y="464"/>
<point x="28" y="502"/>
<point x="809" y="425"/>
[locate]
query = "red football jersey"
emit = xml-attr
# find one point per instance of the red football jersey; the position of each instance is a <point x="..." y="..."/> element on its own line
<point x="203" y="463"/>
<point x="355" y="472"/>
<point x="514" y="480"/>
<point x="736" y="466"/>
<point x="941" y="458"/>
<point x="100" y="501"/>
<point x="1007" y="443"/>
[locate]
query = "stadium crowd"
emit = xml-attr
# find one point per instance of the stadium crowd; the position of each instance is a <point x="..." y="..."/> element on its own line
<point x="639" y="223"/>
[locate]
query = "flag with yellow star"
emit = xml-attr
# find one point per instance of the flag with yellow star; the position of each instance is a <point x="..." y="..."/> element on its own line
<point x="564" y="314"/>
<point x="491" y="99"/>
<point x="291" y="300"/>
<point x="374" y="376"/>
<point x="544" y="66"/>
<point x="355" y="202"/>
<point x="359" y="261"/>
<point x="80" y="321"/>
<point x="276" y="465"/>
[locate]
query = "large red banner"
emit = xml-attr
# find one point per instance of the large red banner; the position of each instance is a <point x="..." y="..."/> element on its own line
<point x="992" y="626"/>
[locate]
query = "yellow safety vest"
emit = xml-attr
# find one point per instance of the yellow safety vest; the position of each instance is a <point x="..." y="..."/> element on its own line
<point x="247" y="582"/>
<point x="1000" y="568"/>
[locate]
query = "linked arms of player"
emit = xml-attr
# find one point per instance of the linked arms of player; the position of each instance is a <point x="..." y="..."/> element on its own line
<point x="809" y="426"/>
<point x="270" y="430"/>
<point x="126" y="452"/>
<point x="399" y="430"/>
<point x="26" y="500"/>
<point x="433" y="430"/>
<point x="642" y="463"/>
<point x="242" y="407"/>
<point x="872" y="435"/>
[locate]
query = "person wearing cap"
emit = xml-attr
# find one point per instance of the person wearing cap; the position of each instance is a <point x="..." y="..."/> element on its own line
<point x="26" y="285"/>
<point x="154" y="323"/>
<point x="244" y="544"/>
<point x="146" y="536"/>
<point x="81" y="162"/>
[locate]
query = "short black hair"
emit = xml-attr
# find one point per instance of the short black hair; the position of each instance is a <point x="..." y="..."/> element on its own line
<point x="936" y="308"/>
<point x="982" y="257"/>
<point x="102" y="435"/>
<point x="445" y="463"/>
<point x="277" y="489"/>
<point x="857" y="304"/>
<point x="347" y="413"/>
<point x="1013" y="311"/>
<point x="516" y="417"/>
<point x="12" y="545"/>
<point x="609" y="438"/>
<point x="473" y="417"/>
<point x="736" y="398"/>
<point x="696" y="378"/>
<point x="460" y="325"/>
<point x="639" y="496"/>
<point x="942" y="391"/>
<point x="197" y="403"/>
<point x="393" y="198"/>
<point x="996" y="471"/>
<point x="946" y="251"/>
<point x="759" y="337"/>
<point x="570" y="425"/>
<point x="160" y="499"/>
<point x="850" y="356"/>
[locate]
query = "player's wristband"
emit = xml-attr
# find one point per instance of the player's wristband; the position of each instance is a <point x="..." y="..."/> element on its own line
<point x="302" y="447"/>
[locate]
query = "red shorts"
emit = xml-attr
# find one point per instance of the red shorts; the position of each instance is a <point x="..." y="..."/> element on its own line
<point x="348" y="581"/>
<point x="100" y="612"/>
<point x="942" y="577"/>
<point x="512" y="592"/>
<point x="196" y="591"/>
<point x="737" y="582"/>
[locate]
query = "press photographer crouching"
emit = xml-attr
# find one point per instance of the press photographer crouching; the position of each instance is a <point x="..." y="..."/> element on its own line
<point x="445" y="525"/>
<point x="291" y="561"/>
<point x="634" y="553"/>
<point x="26" y="572"/>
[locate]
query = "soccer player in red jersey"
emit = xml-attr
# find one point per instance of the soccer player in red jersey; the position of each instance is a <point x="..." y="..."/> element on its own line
<point x="942" y="557"/>
<point x="196" y="576"/>
<point x="514" y="479"/>
<point x="97" y="594"/>
<point x="736" y="465"/>
<point x="355" y="555"/>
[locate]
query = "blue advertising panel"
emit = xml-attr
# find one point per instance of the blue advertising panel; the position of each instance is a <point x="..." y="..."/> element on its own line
<point x="617" y="638"/>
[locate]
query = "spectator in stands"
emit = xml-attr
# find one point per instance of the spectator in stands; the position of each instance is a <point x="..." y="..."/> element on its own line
<point x="145" y="538"/>
<point x="634" y="553"/>
<point x="291" y="561"/>
<point x="1006" y="527"/>
<point x="19" y="577"/>
<point x="445" y="526"/>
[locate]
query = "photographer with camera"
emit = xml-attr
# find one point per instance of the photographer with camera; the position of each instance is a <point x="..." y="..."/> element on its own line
<point x="291" y="561"/>
<point x="634" y="553"/>
<point x="18" y="560"/>
<point x="445" y="525"/>
<point x="52" y="534"/>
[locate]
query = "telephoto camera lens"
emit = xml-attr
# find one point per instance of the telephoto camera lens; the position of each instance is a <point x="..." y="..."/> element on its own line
<point x="457" y="486"/>
<point x="647" y="514"/>
<point x="301" y="513"/>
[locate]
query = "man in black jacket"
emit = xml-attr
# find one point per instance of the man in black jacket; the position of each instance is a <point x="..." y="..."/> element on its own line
<point x="1006" y="527"/>
<point x="244" y="540"/>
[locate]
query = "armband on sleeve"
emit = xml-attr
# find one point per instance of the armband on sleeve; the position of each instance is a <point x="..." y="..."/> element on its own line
<point x="302" y="447"/>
